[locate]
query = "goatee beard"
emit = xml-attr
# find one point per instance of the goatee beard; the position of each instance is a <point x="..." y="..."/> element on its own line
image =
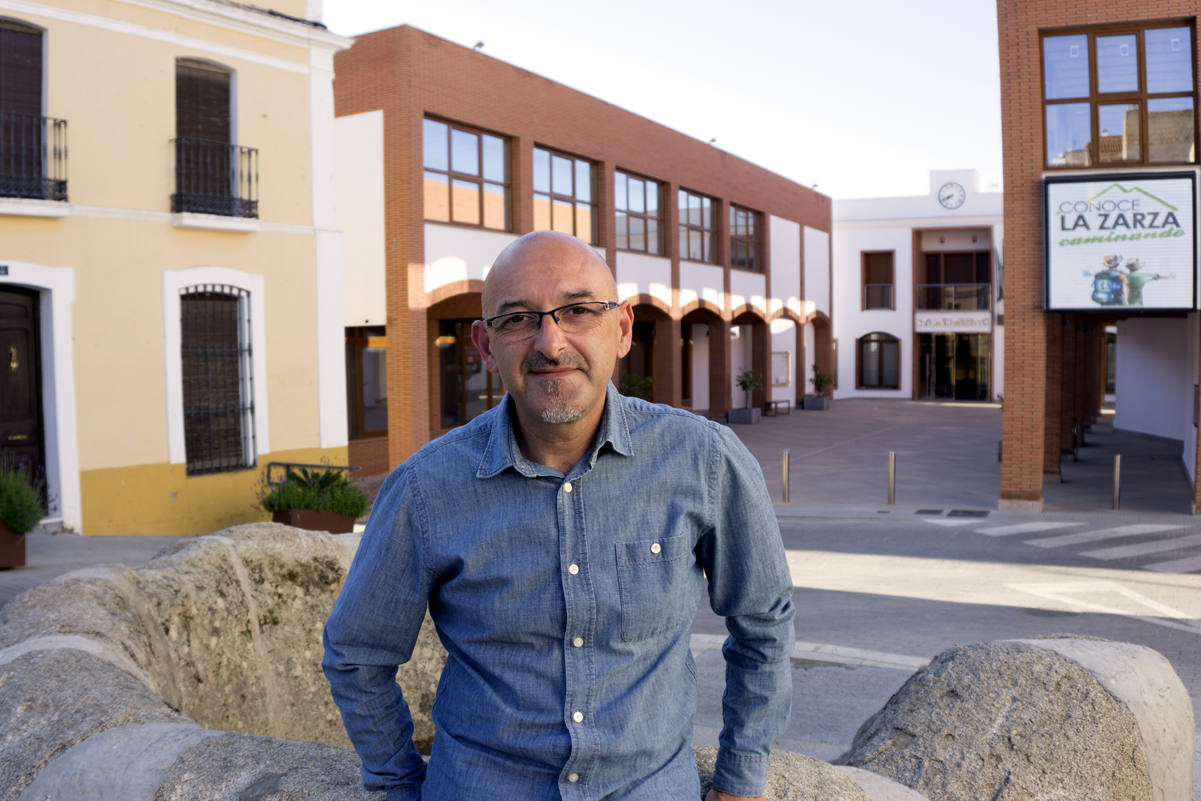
<point x="558" y="410"/>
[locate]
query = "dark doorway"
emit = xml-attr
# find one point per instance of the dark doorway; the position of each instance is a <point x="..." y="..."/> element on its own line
<point x="21" y="378"/>
<point x="954" y="366"/>
<point x="467" y="389"/>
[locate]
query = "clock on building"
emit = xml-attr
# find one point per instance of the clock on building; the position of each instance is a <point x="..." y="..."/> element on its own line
<point x="951" y="195"/>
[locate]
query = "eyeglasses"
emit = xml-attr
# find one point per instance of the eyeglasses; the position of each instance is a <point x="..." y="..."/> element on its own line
<point x="574" y="318"/>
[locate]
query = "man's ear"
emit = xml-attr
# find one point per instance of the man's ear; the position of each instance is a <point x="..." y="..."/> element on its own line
<point x="625" y="326"/>
<point x="483" y="343"/>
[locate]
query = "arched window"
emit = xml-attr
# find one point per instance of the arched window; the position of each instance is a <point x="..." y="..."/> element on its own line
<point x="878" y="361"/>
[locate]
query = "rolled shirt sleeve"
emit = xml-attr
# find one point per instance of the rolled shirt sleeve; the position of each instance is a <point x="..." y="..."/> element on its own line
<point x="751" y="587"/>
<point x="371" y="631"/>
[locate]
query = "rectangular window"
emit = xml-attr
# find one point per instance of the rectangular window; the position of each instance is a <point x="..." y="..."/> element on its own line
<point x="877" y="282"/>
<point x="1119" y="96"/>
<point x="746" y="251"/>
<point x="638" y="204"/>
<point x="698" y="228"/>
<point x="466" y="178"/>
<point x="218" y="388"/>
<point x="565" y="195"/>
<point x="366" y="382"/>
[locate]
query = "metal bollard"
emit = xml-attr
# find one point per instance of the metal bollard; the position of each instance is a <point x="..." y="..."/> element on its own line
<point x="1117" y="481"/>
<point x="892" y="477"/>
<point x="785" y="476"/>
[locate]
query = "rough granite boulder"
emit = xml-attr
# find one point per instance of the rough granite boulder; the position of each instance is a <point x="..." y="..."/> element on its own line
<point x="1036" y="719"/>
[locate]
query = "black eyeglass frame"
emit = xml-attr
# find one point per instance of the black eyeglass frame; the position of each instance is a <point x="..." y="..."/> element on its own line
<point x="606" y="305"/>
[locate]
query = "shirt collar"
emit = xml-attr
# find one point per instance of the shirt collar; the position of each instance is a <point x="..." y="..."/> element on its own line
<point x="502" y="450"/>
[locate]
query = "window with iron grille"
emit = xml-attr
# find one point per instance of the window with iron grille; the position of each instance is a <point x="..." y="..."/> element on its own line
<point x="565" y="194"/>
<point x="698" y="227"/>
<point x="745" y="245"/>
<point x="218" y="386"/>
<point x="638" y="208"/>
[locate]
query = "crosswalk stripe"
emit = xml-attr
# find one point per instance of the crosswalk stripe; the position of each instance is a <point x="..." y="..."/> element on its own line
<point x="1186" y="565"/>
<point x="950" y="522"/>
<point x="1023" y="528"/>
<point x="1103" y="534"/>
<point x="1144" y="548"/>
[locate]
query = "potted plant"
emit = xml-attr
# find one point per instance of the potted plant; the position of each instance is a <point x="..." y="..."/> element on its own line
<point x="748" y="382"/>
<point x="637" y="386"/>
<point x="315" y="499"/>
<point x="822" y="383"/>
<point x="21" y="507"/>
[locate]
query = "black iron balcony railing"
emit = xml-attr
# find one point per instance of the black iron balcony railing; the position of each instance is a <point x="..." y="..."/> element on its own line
<point x="33" y="156"/>
<point x="957" y="297"/>
<point x="215" y="178"/>
<point x="877" y="296"/>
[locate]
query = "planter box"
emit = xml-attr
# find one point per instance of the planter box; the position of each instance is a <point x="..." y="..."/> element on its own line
<point x="815" y="403"/>
<point x="313" y="520"/>
<point x="744" y="416"/>
<point x="12" y="548"/>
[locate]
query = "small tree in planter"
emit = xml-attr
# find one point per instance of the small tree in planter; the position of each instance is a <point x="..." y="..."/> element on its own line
<point x="637" y="386"/>
<point x="315" y="499"/>
<point x="822" y="382"/>
<point x="748" y="382"/>
<point x="21" y="508"/>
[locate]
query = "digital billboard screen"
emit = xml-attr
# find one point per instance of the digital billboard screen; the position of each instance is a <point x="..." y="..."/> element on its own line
<point x="1123" y="242"/>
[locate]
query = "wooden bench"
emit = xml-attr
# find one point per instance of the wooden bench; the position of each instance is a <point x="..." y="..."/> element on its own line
<point x="772" y="407"/>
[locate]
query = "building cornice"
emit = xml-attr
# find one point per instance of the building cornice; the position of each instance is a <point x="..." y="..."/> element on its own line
<point x="234" y="16"/>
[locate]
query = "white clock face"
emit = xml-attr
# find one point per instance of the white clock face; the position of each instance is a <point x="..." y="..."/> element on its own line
<point x="951" y="195"/>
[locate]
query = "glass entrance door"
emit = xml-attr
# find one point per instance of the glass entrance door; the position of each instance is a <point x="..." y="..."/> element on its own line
<point x="954" y="366"/>
<point x="467" y="389"/>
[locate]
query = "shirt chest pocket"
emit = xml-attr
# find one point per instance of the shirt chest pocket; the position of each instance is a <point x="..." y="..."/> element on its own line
<point x="656" y="582"/>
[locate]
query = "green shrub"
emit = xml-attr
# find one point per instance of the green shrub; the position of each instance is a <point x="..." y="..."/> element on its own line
<point x="21" y="504"/>
<point x="319" y="490"/>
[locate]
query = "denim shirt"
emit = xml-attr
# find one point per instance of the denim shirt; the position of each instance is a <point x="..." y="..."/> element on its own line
<point x="565" y="604"/>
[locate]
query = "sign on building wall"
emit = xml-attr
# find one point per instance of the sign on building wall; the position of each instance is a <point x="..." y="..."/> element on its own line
<point x="944" y="322"/>
<point x="1120" y="242"/>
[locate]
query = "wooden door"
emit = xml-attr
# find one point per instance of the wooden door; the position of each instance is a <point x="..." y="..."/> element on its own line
<point x="20" y="378"/>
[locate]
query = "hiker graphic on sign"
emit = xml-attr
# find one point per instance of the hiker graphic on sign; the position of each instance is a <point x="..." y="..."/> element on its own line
<point x="1109" y="284"/>
<point x="1136" y="279"/>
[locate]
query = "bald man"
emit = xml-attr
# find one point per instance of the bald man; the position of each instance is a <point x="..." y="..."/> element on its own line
<point x="562" y="543"/>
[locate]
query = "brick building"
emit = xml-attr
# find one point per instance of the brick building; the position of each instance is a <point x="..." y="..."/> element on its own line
<point x="446" y="155"/>
<point x="1099" y="114"/>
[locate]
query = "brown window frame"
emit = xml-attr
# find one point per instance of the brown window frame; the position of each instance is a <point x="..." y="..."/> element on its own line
<point x="1095" y="99"/>
<point x="886" y="338"/>
<point x="552" y="197"/>
<point x="709" y="255"/>
<point x="621" y="207"/>
<point x="892" y="283"/>
<point x="478" y="179"/>
<point x="752" y="240"/>
<point x="355" y="345"/>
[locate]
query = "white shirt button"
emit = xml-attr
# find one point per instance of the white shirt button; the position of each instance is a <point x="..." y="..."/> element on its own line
<point x="573" y="777"/>
<point x="656" y="547"/>
<point x="578" y="717"/>
<point x="567" y="486"/>
<point x="573" y="568"/>
<point x="578" y="642"/>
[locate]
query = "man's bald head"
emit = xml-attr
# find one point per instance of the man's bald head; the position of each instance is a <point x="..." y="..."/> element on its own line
<point x="539" y="254"/>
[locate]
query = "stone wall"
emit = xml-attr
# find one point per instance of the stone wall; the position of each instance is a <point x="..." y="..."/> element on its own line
<point x="198" y="676"/>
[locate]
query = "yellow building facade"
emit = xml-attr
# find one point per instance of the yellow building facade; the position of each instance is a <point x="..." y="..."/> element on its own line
<point x="170" y="272"/>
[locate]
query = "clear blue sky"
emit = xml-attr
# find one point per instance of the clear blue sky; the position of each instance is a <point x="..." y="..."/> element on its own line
<point x="861" y="98"/>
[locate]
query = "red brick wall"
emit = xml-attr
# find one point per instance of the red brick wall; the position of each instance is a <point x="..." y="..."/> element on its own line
<point x="1040" y="384"/>
<point x="410" y="74"/>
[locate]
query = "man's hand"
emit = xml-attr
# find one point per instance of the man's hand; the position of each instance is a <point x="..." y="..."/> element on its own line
<point x="717" y="795"/>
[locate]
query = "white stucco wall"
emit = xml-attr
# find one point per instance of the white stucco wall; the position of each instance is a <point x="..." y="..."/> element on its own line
<point x="1155" y="377"/>
<point x="703" y="282"/>
<point x="783" y="340"/>
<point x="817" y="268"/>
<point x="360" y="216"/>
<point x="785" y="236"/>
<point x="639" y="274"/>
<point x="740" y="359"/>
<point x="748" y="288"/>
<point x="457" y="253"/>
